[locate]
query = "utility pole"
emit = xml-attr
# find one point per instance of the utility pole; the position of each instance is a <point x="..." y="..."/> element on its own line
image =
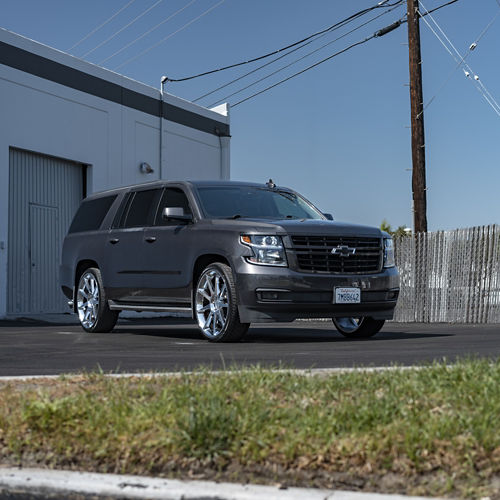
<point x="417" y="120"/>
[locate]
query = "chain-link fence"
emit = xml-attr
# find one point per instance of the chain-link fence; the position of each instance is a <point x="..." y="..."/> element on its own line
<point x="450" y="276"/>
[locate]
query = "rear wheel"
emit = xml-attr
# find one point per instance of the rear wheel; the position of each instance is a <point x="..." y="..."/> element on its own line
<point x="215" y="304"/>
<point x="358" y="328"/>
<point x="92" y="305"/>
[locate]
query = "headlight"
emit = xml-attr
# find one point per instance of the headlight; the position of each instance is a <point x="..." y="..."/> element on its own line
<point x="267" y="250"/>
<point x="389" y="253"/>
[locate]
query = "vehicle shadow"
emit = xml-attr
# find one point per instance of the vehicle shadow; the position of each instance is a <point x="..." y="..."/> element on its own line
<point x="187" y="330"/>
<point x="284" y="335"/>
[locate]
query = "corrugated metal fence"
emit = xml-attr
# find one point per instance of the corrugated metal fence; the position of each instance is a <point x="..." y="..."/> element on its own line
<point x="450" y="276"/>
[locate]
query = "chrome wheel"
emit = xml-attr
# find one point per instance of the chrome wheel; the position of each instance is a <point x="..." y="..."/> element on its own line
<point x="87" y="300"/>
<point x="348" y="325"/>
<point x="212" y="303"/>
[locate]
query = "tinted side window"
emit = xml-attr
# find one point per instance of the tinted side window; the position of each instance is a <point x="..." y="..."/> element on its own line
<point x="91" y="213"/>
<point x="121" y="213"/>
<point x="172" y="197"/>
<point x="142" y="207"/>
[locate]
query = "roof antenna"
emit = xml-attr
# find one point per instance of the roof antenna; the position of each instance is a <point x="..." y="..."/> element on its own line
<point x="270" y="184"/>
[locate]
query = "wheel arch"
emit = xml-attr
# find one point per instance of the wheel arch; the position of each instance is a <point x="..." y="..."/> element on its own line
<point x="205" y="260"/>
<point x="201" y="263"/>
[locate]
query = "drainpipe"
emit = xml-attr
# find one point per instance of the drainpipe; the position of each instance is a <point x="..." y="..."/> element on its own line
<point x="223" y="144"/>
<point x="163" y="80"/>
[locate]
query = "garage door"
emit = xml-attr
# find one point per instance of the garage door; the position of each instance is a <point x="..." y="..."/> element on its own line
<point x="44" y="194"/>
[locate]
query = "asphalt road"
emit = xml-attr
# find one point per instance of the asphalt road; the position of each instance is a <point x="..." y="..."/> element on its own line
<point x="36" y="348"/>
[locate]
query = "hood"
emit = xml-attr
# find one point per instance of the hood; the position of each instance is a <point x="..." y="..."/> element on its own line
<point x="298" y="226"/>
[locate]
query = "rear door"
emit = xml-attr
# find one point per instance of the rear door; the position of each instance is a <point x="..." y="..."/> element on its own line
<point x="124" y="275"/>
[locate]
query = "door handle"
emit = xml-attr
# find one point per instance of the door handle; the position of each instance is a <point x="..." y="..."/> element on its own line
<point x="114" y="241"/>
<point x="150" y="239"/>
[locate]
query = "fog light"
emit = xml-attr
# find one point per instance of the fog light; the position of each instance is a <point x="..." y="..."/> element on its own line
<point x="270" y="295"/>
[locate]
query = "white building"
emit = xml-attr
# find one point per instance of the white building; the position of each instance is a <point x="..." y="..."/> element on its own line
<point x="67" y="129"/>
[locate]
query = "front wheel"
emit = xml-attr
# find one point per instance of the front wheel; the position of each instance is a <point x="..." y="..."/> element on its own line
<point x="215" y="303"/>
<point x="358" y="328"/>
<point x="91" y="304"/>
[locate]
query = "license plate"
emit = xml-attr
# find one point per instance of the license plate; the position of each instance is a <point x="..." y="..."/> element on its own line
<point x="347" y="295"/>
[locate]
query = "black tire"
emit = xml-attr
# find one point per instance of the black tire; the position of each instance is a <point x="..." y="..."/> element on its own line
<point x="92" y="305"/>
<point x="358" y="328"/>
<point x="216" y="306"/>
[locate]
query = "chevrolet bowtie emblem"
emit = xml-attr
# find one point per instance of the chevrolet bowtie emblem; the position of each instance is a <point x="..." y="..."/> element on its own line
<point x="343" y="250"/>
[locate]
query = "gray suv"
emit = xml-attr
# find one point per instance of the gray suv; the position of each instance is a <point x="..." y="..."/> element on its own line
<point x="230" y="253"/>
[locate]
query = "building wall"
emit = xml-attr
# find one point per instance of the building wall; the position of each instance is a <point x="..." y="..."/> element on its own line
<point x="55" y="104"/>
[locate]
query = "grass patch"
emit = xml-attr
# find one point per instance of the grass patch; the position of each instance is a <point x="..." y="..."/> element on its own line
<point x="433" y="431"/>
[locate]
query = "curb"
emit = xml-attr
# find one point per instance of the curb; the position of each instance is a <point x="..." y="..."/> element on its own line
<point x="40" y="483"/>
<point x="299" y="371"/>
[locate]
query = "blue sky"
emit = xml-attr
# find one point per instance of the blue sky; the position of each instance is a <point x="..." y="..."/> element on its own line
<point x="337" y="133"/>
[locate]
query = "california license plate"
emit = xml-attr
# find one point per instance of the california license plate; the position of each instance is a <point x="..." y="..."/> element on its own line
<point x="347" y="295"/>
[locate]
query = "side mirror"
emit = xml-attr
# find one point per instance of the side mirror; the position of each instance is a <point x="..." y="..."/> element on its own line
<point x="176" y="213"/>
<point x="328" y="216"/>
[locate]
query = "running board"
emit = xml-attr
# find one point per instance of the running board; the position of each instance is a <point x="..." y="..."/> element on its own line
<point x="139" y="307"/>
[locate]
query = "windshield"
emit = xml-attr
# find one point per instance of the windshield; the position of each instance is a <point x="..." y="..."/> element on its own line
<point x="254" y="202"/>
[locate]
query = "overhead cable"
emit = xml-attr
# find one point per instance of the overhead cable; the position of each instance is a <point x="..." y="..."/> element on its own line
<point x="274" y="52"/>
<point x="337" y="26"/>
<point x="488" y="26"/>
<point x="304" y="70"/>
<point x="171" y="16"/>
<point x="295" y="61"/>
<point x="101" y="25"/>
<point x="378" y="33"/>
<point x="475" y="78"/>
<point x="354" y="16"/>
<point x="170" y="36"/>
<point x="122" y="29"/>
<point x="471" y="48"/>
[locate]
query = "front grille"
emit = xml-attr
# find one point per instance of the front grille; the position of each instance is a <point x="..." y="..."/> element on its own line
<point x="314" y="254"/>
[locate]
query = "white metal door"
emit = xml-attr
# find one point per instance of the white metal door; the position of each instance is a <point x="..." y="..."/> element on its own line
<point x="44" y="194"/>
<point x="43" y="222"/>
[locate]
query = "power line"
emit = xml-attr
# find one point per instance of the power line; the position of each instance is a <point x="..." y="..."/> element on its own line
<point x="295" y="61"/>
<point x="477" y="82"/>
<point x="378" y="33"/>
<point x="488" y="26"/>
<point x="171" y="35"/>
<point x="483" y="90"/>
<point x="337" y="26"/>
<point x="148" y="32"/>
<point x="380" y="4"/>
<point x="353" y="16"/>
<point x="122" y="29"/>
<point x="101" y="25"/>
<point x="472" y="47"/>
<point x="304" y="70"/>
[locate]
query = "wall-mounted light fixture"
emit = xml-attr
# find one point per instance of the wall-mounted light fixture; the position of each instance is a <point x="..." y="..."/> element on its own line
<point x="146" y="168"/>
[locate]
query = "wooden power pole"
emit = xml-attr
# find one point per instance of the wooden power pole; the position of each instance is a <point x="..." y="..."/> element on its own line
<point x="417" y="120"/>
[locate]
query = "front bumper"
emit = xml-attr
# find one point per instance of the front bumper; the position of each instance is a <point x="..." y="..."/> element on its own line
<point x="267" y="293"/>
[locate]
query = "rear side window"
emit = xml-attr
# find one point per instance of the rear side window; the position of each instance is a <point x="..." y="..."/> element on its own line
<point x="91" y="213"/>
<point x="141" y="208"/>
